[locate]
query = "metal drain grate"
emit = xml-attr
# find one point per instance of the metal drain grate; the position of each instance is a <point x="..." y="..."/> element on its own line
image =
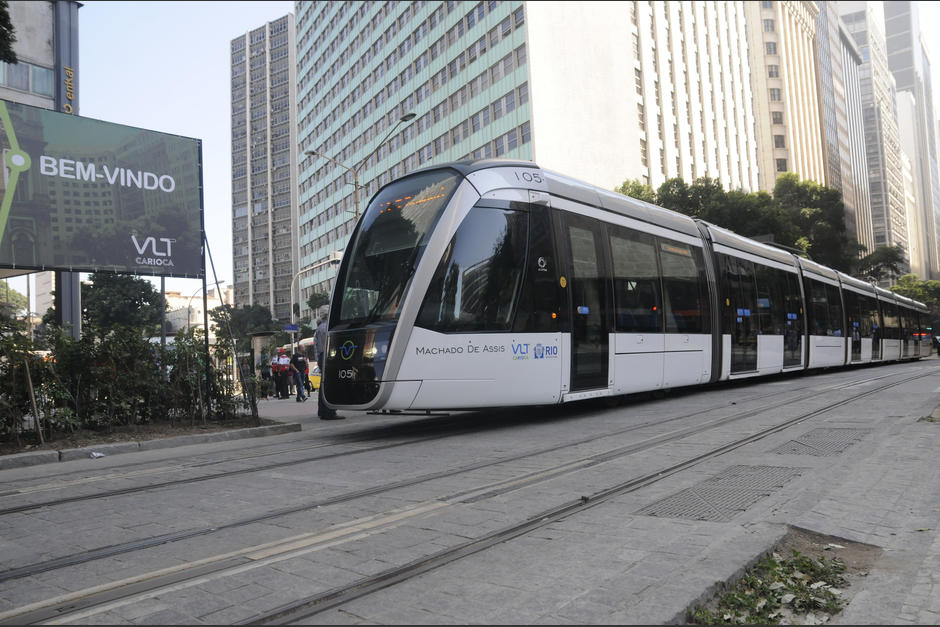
<point x="723" y="496"/>
<point x="822" y="442"/>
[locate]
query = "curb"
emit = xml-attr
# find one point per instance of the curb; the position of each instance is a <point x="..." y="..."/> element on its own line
<point x="20" y="460"/>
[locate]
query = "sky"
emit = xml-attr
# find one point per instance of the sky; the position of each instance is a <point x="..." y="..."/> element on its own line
<point x="165" y="66"/>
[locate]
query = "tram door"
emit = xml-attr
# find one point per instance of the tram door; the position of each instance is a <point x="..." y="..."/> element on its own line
<point x="740" y="316"/>
<point x="587" y="285"/>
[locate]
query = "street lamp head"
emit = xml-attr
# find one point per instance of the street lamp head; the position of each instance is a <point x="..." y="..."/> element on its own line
<point x="408" y="117"/>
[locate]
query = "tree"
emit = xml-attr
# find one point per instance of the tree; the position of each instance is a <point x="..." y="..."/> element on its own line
<point x="819" y="216"/>
<point x="7" y="34"/>
<point x="317" y="300"/>
<point x="121" y="300"/>
<point x="802" y="216"/>
<point x="882" y="264"/>
<point x="12" y="303"/>
<point x="674" y="194"/>
<point x="243" y="321"/>
<point x="636" y="189"/>
<point x="927" y="292"/>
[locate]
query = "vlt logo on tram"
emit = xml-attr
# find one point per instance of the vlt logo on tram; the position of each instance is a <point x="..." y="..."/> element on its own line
<point x="347" y="350"/>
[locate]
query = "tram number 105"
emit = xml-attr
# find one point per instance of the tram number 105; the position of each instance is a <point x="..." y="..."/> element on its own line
<point x="529" y="177"/>
<point x="349" y="373"/>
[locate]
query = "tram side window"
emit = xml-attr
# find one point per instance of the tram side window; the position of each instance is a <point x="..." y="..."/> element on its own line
<point x="793" y="303"/>
<point x="890" y="312"/>
<point x="771" y="300"/>
<point x="739" y="294"/>
<point x="908" y="326"/>
<point x="818" y="306"/>
<point x="637" y="293"/>
<point x="835" y="311"/>
<point x="476" y="283"/>
<point x="684" y="287"/>
<point x="852" y="313"/>
<point x="867" y="316"/>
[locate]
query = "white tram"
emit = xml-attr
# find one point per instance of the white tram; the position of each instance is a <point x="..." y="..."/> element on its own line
<point x="495" y="283"/>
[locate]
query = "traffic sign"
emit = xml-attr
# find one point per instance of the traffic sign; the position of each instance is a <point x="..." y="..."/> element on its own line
<point x="291" y="327"/>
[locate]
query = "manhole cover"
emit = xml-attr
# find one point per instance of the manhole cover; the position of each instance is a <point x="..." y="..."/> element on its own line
<point x="723" y="496"/>
<point x="822" y="442"/>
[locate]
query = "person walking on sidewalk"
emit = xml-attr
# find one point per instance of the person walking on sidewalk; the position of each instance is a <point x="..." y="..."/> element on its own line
<point x="298" y="369"/>
<point x="319" y="346"/>
<point x="283" y="374"/>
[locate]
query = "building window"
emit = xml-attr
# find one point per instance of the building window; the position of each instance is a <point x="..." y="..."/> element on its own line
<point x="779" y="141"/>
<point x="43" y="80"/>
<point x="775" y="94"/>
<point x="767" y="4"/>
<point x="17" y="76"/>
<point x="773" y="71"/>
<point x="781" y="165"/>
<point x="776" y="117"/>
<point x="771" y="47"/>
<point x="768" y="26"/>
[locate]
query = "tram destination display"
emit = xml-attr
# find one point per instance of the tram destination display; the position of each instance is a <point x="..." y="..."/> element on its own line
<point x="83" y="195"/>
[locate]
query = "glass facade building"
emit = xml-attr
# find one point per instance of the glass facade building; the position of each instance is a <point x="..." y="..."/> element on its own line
<point x="460" y="68"/>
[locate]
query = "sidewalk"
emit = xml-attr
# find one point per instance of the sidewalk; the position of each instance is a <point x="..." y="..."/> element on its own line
<point x="291" y="414"/>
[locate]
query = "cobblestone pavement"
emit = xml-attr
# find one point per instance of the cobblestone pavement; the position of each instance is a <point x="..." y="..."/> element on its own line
<point x="864" y="472"/>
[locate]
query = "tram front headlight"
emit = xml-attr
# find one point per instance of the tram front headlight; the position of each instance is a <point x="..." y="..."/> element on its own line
<point x="376" y="349"/>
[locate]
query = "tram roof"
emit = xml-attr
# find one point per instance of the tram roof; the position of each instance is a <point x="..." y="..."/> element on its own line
<point x="579" y="191"/>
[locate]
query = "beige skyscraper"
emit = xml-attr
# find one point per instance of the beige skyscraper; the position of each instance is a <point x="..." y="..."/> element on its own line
<point x="782" y="42"/>
<point x="865" y="21"/>
<point x="843" y="134"/>
<point x="910" y="66"/>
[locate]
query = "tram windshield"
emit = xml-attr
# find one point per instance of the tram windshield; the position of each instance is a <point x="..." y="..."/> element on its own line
<point x="388" y="245"/>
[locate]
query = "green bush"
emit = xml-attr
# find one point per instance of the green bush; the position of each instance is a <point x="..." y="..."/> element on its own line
<point x="114" y="378"/>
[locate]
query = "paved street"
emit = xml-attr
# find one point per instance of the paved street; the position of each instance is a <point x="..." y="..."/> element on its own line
<point x="579" y="514"/>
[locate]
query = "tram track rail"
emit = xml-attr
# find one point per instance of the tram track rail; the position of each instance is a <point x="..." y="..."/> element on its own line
<point x="384" y="445"/>
<point x="250" y="557"/>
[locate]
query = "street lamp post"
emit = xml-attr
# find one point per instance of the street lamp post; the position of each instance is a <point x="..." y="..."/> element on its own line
<point x="355" y="171"/>
<point x="332" y="260"/>
<point x="189" y="309"/>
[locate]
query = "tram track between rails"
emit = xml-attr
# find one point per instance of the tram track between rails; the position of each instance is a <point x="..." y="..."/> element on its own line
<point x="252" y="557"/>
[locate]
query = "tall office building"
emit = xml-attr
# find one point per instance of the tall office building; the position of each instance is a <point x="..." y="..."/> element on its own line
<point x="494" y="79"/>
<point x="910" y="66"/>
<point x="837" y="73"/>
<point x="865" y="21"/>
<point x="782" y="42"/>
<point x="264" y="143"/>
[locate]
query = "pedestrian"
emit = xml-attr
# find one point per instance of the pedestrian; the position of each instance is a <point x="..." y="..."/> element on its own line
<point x="264" y="365"/>
<point x="298" y="369"/>
<point x="274" y="369"/>
<point x="283" y="374"/>
<point x="319" y="347"/>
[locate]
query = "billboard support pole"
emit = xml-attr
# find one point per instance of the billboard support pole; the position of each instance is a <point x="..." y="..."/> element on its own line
<point x="162" y="326"/>
<point x="205" y="327"/>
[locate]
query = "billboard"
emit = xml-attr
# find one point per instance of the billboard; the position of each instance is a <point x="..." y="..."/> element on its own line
<point x="82" y="195"/>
